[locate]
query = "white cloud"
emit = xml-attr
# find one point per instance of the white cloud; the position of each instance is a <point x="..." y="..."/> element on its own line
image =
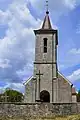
<point x="4" y="63"/>
<point x="26" y="71"/>
<point x="2" y="90"/>
<point x="58" y="5"/>
<point x="75" y="51"/>
<point x="4" y="17"/>
<point x="57" y="8"/>
<point x="74" y="76"/>
<point x="17" y="46"/>
<point x="70" y="3"/>
<point x="19" y="87"/>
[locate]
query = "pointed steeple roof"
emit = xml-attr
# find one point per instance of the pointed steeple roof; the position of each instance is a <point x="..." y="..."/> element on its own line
<point x="47" y="28"/>
<point x="46" y="22"/>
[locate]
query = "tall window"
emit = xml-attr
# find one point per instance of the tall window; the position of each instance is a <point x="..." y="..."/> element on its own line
<point x="45" y="45"/>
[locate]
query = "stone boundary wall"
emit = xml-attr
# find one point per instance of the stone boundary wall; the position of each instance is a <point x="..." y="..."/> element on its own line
<point x="38" y="109"/>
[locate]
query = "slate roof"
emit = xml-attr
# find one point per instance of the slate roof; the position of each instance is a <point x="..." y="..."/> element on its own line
<point x="64" y="78"/>
<point x="46" y="22"/>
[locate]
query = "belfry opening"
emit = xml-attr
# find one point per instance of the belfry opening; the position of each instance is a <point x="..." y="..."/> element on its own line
<point x="44" y="96"/>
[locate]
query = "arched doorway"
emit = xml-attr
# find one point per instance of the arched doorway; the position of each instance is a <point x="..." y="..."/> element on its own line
<point x="44" y="96"/>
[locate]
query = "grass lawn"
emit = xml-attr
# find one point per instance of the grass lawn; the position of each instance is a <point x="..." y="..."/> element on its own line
<point x="72" y="117"/>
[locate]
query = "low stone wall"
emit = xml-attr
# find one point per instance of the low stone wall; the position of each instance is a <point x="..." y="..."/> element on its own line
<point x="39" y="109"/>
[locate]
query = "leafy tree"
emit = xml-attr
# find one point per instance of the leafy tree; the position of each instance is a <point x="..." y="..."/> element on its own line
<point x="1" y="98"/>
<point x="12" y="96"/>
<point x="78" y="96"/>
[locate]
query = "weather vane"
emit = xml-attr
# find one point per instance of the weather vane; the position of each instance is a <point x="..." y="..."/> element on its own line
<point x="47" y="7"/>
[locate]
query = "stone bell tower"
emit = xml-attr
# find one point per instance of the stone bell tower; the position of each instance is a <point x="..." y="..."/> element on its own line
<point x="45" y="66"/>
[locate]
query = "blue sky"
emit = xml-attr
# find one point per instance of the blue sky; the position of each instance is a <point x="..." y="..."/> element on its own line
<point x="18" y="19"/>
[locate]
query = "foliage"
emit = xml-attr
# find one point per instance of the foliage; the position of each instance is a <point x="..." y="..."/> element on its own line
<point x="11" y="96"/>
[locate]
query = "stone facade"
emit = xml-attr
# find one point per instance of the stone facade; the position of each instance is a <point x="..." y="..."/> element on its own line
<point x="39" y="109"/>
<point x="65" y="90"/>
<point x="64" y="86"/>
<point x="47" y="84"/>
<point x="44" y="63"/>
<point x="28" y="92"/>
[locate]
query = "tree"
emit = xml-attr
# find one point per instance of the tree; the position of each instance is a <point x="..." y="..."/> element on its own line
<point x="78" y="96"/>
<point x="13" y="96"/>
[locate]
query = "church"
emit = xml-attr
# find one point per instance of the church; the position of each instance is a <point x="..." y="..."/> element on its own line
<point x="47" y="84"/>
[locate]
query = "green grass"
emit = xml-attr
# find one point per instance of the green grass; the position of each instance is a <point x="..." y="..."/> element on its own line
<point x="72" y="117"/>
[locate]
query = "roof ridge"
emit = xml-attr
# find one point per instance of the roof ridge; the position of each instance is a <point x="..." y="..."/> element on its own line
<point x="65" y="78"/>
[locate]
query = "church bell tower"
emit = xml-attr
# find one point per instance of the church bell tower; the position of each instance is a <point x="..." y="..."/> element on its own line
<point x="45" y="64"/>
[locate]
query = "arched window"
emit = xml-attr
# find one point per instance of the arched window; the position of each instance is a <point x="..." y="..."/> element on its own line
<point x="45" y="45"/>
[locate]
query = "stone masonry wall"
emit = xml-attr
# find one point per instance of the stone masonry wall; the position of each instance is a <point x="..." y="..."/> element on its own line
<point x="39" y="109"/>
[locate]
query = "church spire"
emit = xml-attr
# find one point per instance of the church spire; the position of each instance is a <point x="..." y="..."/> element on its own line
<point x="46" y="22"/>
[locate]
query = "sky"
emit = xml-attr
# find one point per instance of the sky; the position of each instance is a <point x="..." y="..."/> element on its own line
<point x="18" y="19"/>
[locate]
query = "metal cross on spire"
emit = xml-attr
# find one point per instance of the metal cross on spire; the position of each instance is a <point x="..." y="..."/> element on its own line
<point x="47" y="5"/>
